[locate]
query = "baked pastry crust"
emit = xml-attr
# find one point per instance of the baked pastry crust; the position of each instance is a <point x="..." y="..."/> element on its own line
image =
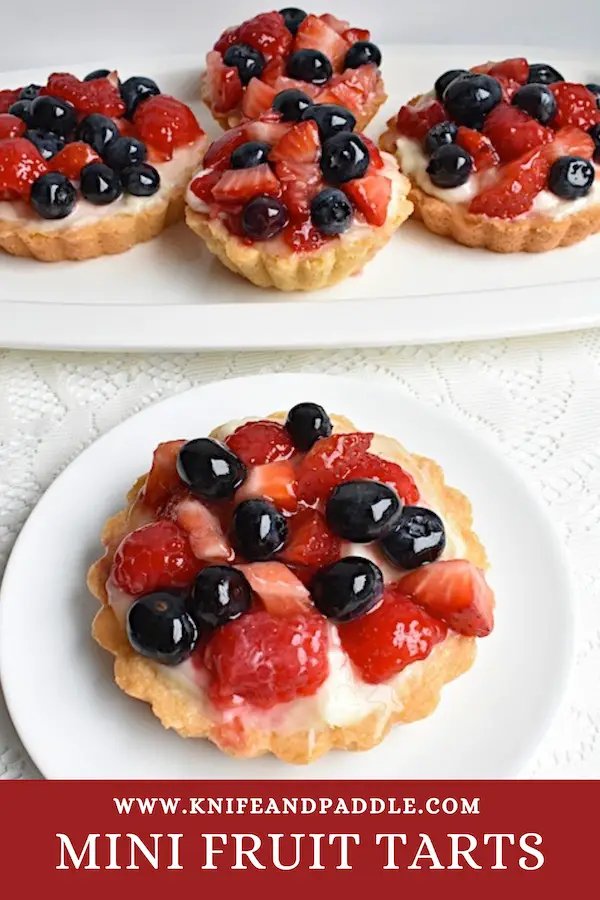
<point x="416" y="696"/>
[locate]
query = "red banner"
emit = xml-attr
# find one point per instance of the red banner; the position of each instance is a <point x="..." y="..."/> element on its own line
<point x="297" y="839"/>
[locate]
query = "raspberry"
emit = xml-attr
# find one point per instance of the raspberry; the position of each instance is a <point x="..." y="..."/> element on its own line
<point x="266" y="659"/>
<point x="96" y="96"/>
<point x="310" y="541"/>
<point x="72" y="158"/>
<point x="519" y="184"/>
<point x="389" y="473"/>
<point x="257" y="443"/>
<point x="163" y="480"/>
<point x="391" y="637"/>
<point x="154" y="556"/>
<point x="329" y="462"/>
<point x="416" y="119"/>
<point x="166" y="123"/>
<point x="11" y="126"/>
<point x="576" y="105"/>
<point x="513" y="133"/>
<point x="21" y="164"/>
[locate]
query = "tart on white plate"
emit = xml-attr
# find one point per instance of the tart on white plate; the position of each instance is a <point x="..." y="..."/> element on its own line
<point x="291" y="585"/>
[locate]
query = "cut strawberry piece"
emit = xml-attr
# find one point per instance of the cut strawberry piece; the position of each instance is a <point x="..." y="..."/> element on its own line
<point x="7" y="98"/>
<point x="509" y="88"/>
<point x="519" y="184"/>
<point x="300" y="182"/>
<point x="126" y="128"/>
<point x="303" y="237"/>
<point x="513" y="133"/>
<point x="374" y="152"/>
<point x="343" y="95"/>
<point x="21" y="163"/>
<point x="96" y="96"/>
<point x="229" y="37"/>
<point x="11" y="126"/>
<point x="203" y="184"/>
<point x="274" y="481"/>
<point x="284" y="83"/>
<point x="570" y="142"/>
<point x="300" y="144"/>
<point x="416" y="119"/>
<point x="353" y="35"/>
<point x="371" y="195"/>
<point x="479" y="147"/>
<point x="257" y="443"/>
<point x="238" y="185"/>
<point x="329" y="462"/>
<point x="273" y="71"/>
<point x="223" y="84"/>
<point x="267" y="128"/>
<point x="268" y="33"/>
<point x="206" y="536"/>
<point x="455" y="591"/>
<point x="266" y="659"/>
<point x="72" y="158"/>
<point x="310" y="541"/>
<point x="338" y="25"/>
<point x="391" y="637"/>
<point x="166" y="123"/>
<point x="315" y="34"/>
<point x="282" y="594"/>
<point x="516" y="69"/>
<point x="154" y="556"/>
<point x="162" y="480"/>
<point x="219" y="153"/>
<point x="390" y="473"/>
<point x="576" y="106"/>
<point x="258" y="97"/>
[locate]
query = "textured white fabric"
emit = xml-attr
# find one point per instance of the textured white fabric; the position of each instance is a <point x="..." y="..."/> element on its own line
<point x="538" y="398"/>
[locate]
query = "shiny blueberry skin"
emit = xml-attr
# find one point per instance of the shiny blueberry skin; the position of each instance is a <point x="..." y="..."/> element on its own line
<point x="141" y="181"/>
<point x="52" y="114"/>
<point x="22" y="109"/>
<point x="469" y="98"/>
<point x="248" y="61"/>
<point x="445" y="79"/>
<point x="30" y="92"/>
<point x="251" y="154"/>
<point x="136" y="89"/>
<point x="331" y="212"/>
<point x="291" y="104"/>
<point x="53" y="196"/>
<point x="571" y="177"/>
<point x="595" y="90"/>
<point x="449" y="166"/>
<point x="259" y="529"/>
<point x="219" y="595"/>
<point x="330" y="119"/>
<point x="594" y="133"/>
<point x="306" y="424"/>
<point x="311" y="66"/>
<point x="98" y="131"/>
<point x="124" y="152"/>
<point x="293" y="18"/>
<point x="537" y="100"/>
<point x="97" y="73"/>
<point x="47" y="143"/>
<point x="362" y="510"/>
<point x="264" y="217"/>
<point x="347" y="589"/>
<point x="541" y="73"/>
<point x="210" y="469"/>
<point x="361" y="54"/>
<point x="160" y="628"/>
<point x="344" y="157"/>
<point x="418" y="536"/>
<point x="100" y="184"/>
<point x="439" y="135"/>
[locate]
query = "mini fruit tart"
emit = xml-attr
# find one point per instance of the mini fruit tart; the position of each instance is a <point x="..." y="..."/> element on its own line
<point x="291" y="585"/>
<point x="296" y="199"/>
<point x="92" y="167"/>
<point x="504" y="156"/>
<point x="319" y="55"/>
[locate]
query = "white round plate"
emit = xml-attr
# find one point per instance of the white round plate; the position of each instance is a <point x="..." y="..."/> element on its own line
<point x="76" y="723"/>
<point x="171" y="294"/>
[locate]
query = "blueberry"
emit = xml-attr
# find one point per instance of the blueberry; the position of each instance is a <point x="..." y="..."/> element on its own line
<point x="291" y="104"/>
<point x="97" y="131"/>
<point x="251" y="154"/>
<point x="51" y="114"/>
<point x="136" y="89"/>
<point x="311" y="66"/>
<point x="469" y="98"/>
<point x="22" y="109"/>
<point x="219" y="595"/>
<point x="210" y="469"/>
<point x="53" y="196"/>
<point x="439" y="135"/>
<point x="47" y="143"/>
<point x="541" y="73"/>
<point x="361" y="54"/>
<point x="100" y="184"/>
<point x="97" y="73"/>
<point x="331" y="212"/>
<point x="141" y="181"/>
<point x="449" y="166"/>
<point x="124" y="152"/>
<point x="344" y="157"/>
<point x="595" y="90"/>
<point x="347" y="589"/>
<point x="537" y="100"/>
<point x="159" y="627"/>
<point x="306" y="424"/>
<point x="571" y="177"/>
<point x="264" y="217"/>
<point x="30" y="92"/>
<point x="248" y="61"/>
<point x="594" y="133"/>
<point x="362" y="510"/>
<point x="417" y="537"/>
<point x="259" y="528"/>
<point x="293" y="18"/>
<point x="330" y="119"/>
<point x="445" y="79"/>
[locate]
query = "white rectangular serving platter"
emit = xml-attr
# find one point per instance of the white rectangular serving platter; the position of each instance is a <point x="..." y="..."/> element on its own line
<point x="171" y="294"/>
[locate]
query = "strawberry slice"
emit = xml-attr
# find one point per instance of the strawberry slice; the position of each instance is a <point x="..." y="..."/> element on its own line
<point x="301" y="236"/>
<point x="315" y="34"/>
<point x="570" y="142"/>
<point x="7" y="98"/>
<point x="341" y="94"/>
<point x="519" y="184"/>
<point x="204" y="531"/>
<point x="166" y="123"/>
<point x="281" y="592"/>
<point x="268" y="33"/>
<point x="300" y="182"/>
<point x="11" y="126"/>
<point x="276" y="481"/>
<point x="516" y="69"/>
<point x="338" y="25"/>
<point x="455" y="591"/>
<point x="509" y="88"/>
<point x="374" y="152"/>
<point x="229" y="37"/>
<point x="283" y="83"/>
<point x="301" y="144"/>
<point x="162" y="480"/>
<point x="258" y="97"/>
<point x="352" y="35"/>
<point x="219" y="153"/>
<point x="203" y="184"/>
<point x="480" y="148"/>
<point x="223" y="83"/>
<point x="237" y="185"/>
<point x="418" y="117"/>
<point x="98" y="95"/>
<point x="371" y="195"/>
<point x="273" y="71"/>
<point x="21" y="164"/>
<point x="260" y="442"/>
<point x="72" y="158"/>
<point x="268" y="128"/>
<point x="310" y="541"/>
<point x="576" y="106"/>
<point x="513" y="133"/>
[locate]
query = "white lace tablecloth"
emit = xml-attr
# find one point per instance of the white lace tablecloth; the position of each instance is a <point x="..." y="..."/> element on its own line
<point x="539" y="399"/>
